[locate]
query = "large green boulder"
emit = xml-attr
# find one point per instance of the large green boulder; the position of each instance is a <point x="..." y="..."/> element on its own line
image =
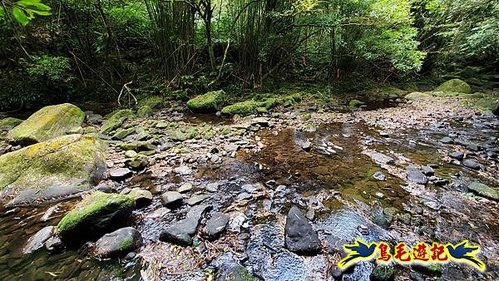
<point x="208" y="102"/>
<point x="51" y="170"/>
<point x="454" y="86"/>
<point x="96" y="214"/>
<point x="48" y="123"/>
<point x="115" y="120"/>
<point x="9" y="123"/>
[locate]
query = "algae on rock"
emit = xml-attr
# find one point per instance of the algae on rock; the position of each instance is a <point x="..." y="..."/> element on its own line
<point x="48" y="123"/>
<point x="49" y="170"/>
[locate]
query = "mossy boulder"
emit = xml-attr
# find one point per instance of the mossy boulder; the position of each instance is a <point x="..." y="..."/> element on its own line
<point x="115" y="120"/>
<point x="417" y="96"/>
<point x="208" y="102"/>
<point x="9" y="123"/>
<point x="50" y="170"/>
<point x="484" y="190"/>
<point x="454" y="86"/>
<point x="249" y="107"/>
<point x="48" y="123"/>
<point x="96" y="214"/>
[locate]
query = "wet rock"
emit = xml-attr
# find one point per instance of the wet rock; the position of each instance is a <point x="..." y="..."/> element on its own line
<point x="38" y="240"/>
<point x="415" y="175"/>
<point x="186" y="187"/>
<point x="484" y="190"/>
<point x="118" y="243"/>
<point x="472" y="164"/>
<point x="300" y="236"/>
<point x="216" y="224"/>
<point x="120" y="173"/>
<point x="48" y="123"/>
<point x="183" y="170"/>
<point x="229" y="269"/>
<point x="142" y="197"/>
<point x="446" y="140"/>
<point x="172" y="199"/>
<point x="380" y="158"/>
<point x="54" y="243"/>
<point x="94" y="215"/>
<point x="379" y="176"/>
<point x="51" y="170"/>
<point x="196" y="199"/>
<point x="237" y="219"/>
<point x="178" y="232"/>
<point x="456" y="155"/>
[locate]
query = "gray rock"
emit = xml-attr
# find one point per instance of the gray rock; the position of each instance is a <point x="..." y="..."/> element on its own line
<point x="183" y="170"/>
<point x="472" y="164"/>
<point x="196" y="199"/>
<point x="262" y="121"/>
<point x="118" y="243"/>
<point x="142" y="197"/>
<point x="38" y="240"/>
<point x="172" y="199"/>
<point x="54" y="243"/>
<point x="120" y="173"/>
<point x="216" y="224"/>
<point x="484" y="190"/>
<point x="300" y="236"/>
<point x="186" y="187"/>
<point x="428" y="171"/>
<point x="380" y="158"/>
<point x="379" y="176"/>
<point x="456" y="155"/>
<point x="415" y="175"/>
<point x="175" y="235"/>
<point x="212" y="187"/>
<point x="446" y="140"/>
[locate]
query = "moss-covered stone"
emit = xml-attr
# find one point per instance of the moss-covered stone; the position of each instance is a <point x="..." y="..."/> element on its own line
<point x="52" y="169"/>
<point x="417" y="96"/>
<point x="48" y="123"/>
<point x="454" y="86"/>
<point x="355" y="104"/>
<point x="9" y="123"/>
<point x="152" y="102"/>
<point x="123" y="133"/>
<point x="96" y="214"/>
<point x="208" y="102"/>
<point x="484" y="190"/>
<point x="115" y="120"/>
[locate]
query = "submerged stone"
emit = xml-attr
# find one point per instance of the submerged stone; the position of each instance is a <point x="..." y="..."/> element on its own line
<point x="38" y="240"/>
<point x="48" y="123"/>
<point x="50" y="170"/>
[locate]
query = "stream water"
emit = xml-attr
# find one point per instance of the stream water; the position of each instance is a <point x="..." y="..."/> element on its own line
<point x="331" y="177"/>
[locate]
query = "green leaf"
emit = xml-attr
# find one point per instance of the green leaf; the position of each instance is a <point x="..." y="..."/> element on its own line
<point x="20" y="16"/>
<point x="2" y="12"/>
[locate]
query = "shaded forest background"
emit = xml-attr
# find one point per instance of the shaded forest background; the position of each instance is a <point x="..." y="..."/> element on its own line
<point x="93" y="50"/>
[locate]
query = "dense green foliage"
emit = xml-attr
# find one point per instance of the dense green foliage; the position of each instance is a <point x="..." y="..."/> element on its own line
<point x="97" y="49"/>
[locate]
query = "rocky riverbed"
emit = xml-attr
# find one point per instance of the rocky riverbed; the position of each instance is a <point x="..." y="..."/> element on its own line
<point x="271" y="196"/>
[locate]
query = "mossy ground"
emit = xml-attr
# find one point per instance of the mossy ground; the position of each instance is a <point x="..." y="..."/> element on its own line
<point x="92" y="205"/>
